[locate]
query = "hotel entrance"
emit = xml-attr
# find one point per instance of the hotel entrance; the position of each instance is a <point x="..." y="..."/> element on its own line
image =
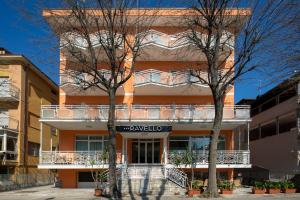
<point x="146" y="151"/>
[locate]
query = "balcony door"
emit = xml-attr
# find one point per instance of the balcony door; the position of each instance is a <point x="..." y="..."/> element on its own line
<point x="146" y="151"/>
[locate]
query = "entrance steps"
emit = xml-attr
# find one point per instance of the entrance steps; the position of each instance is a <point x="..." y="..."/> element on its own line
<point x="147" y="180"/>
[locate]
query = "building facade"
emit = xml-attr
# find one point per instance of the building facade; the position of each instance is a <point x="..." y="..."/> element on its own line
<point x="274" y="130"/>
<point x="160" y="115"/>
<point x="23" y="89"/>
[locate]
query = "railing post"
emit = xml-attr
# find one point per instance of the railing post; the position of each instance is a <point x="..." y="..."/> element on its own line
<point x="5" y="141"/>
<point x="248" y="137"/>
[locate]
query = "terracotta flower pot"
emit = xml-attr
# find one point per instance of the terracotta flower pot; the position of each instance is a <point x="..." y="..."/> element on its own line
<point x="193" y="192"/>
<point x="273" y="191"/>
<point x="226" y="191"/>
<point x="258" y="191"/>
<point x="289" y="190"/>
<point x="98" y="192"/>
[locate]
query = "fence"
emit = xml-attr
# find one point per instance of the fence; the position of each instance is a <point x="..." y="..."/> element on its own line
<point x="13" y="182"/>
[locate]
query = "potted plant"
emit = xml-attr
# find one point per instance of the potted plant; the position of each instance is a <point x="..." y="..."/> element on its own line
<point x="226" y="187"/>
<point x="288" y="187"/>
<point x="258" y="187"/>
<point x="189" y="159"/>
<point x="99" y="175"/>
<point x="273" y="187"/>
<point x="196" y="187"/>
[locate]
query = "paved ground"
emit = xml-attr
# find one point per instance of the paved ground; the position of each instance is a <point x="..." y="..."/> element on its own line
<point x="50" y="193"/>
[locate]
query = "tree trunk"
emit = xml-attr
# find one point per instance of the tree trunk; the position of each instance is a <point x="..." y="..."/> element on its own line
<point x="113" y="188"/>
<point x="214" y="137"/>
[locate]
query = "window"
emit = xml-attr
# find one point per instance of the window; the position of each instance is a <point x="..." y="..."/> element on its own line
<point x="91" y="143"/>
<point x="287" y="95"/>
<point x="269" y="104"/>
<point x="202" y="143"/>
<point x="194" y="143"/>
<point x="11" y="144"/>
<point x="53" y="131"/>
<point x="178" y="143"/>
<point x="11" y="140"/>
<point x="268" y="129"/>
<point x="34" y="121"/>
<point x="287" y="123"/>
<point x="4" y="118"/>
<point x="33" y="149"/>
<point x="254" y="134"/>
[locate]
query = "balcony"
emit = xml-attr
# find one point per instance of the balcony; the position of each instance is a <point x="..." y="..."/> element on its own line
<point x="8" y="93"/>
<point x="182" y="117"/>
<point x="71" y="159"/>
<point x="159" y="46"/>
<point x="92" y="159"/>
<point x="157" y="82"/>
<point x="71" y="84"/>
<point x="155" y="45"/>
<point x="7" y="122"/>
<point x="225" y="158"/>
<point x="146" y="82"/>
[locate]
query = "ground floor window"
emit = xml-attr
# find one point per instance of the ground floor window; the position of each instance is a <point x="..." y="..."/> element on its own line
<point x="33" y="149"/>
<point x="193" y="143"/>
<point x="91" y="143"/>
<point x="11" y="140"/>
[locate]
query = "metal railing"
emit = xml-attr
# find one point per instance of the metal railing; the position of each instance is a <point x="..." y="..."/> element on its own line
<point x="181" y="39"/>
<point x="177" y="176"/>
<point x="224" y="157"/>
<point x="87" y="158"/>
<point x="9" y="123"/>
<point x="9" y="92"/>
<point x="168" y="79"/>
<point x="171" y="113"/>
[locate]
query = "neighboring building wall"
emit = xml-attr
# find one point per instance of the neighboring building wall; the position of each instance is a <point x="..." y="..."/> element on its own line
<point x="40" y="91"/>
<point x="276" y="153"/>
<point x="274" y="131"/>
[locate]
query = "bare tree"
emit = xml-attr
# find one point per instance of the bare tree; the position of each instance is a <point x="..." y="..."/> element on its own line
<point x="229" y="39"/>
<point x="101" y="40"/>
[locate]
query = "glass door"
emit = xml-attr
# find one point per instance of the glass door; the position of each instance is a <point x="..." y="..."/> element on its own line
<point x="146" y="151"/>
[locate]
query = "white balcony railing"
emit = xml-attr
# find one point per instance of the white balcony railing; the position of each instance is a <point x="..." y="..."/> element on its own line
<point x="224" y="157"/>
<point x="9" y="122"/>
<point x="168" y="79"/>
<point x="9" y="92"/>
<point x="171" y="113"/>
<point x="87" y="158"/>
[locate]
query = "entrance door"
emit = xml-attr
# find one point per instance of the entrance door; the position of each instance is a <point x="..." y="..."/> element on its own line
<point x="146" y="151"/>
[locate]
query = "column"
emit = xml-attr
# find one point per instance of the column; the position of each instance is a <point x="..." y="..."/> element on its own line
<point x="123" y="149"/>
<point x="5" y="141"/>
<point x="165" y="150"/>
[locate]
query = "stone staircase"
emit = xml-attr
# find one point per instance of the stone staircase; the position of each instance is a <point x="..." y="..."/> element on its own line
<point x="147" y="180"/>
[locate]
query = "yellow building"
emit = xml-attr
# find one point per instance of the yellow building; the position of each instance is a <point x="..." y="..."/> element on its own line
<point x="23" y="89"/>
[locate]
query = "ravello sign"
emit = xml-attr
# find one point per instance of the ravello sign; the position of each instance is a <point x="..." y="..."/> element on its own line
<point x="144" y="128"/>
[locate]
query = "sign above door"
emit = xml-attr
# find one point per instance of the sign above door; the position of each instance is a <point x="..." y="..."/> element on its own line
<point x="144" y="128"/>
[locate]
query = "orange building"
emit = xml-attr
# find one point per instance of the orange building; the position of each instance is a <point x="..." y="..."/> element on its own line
<point x="160" y="114"/>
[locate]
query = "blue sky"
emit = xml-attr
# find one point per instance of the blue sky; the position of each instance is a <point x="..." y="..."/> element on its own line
<point x="19" y="35"/>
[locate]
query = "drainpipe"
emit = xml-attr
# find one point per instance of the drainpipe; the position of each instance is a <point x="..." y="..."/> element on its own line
<point x="25" y="124"/>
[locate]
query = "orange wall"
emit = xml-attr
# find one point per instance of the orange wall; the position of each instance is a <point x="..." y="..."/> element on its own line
<point x="68" y="177"/>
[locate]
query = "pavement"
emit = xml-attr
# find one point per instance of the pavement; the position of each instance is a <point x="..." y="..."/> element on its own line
<point x="51" y="193"/>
